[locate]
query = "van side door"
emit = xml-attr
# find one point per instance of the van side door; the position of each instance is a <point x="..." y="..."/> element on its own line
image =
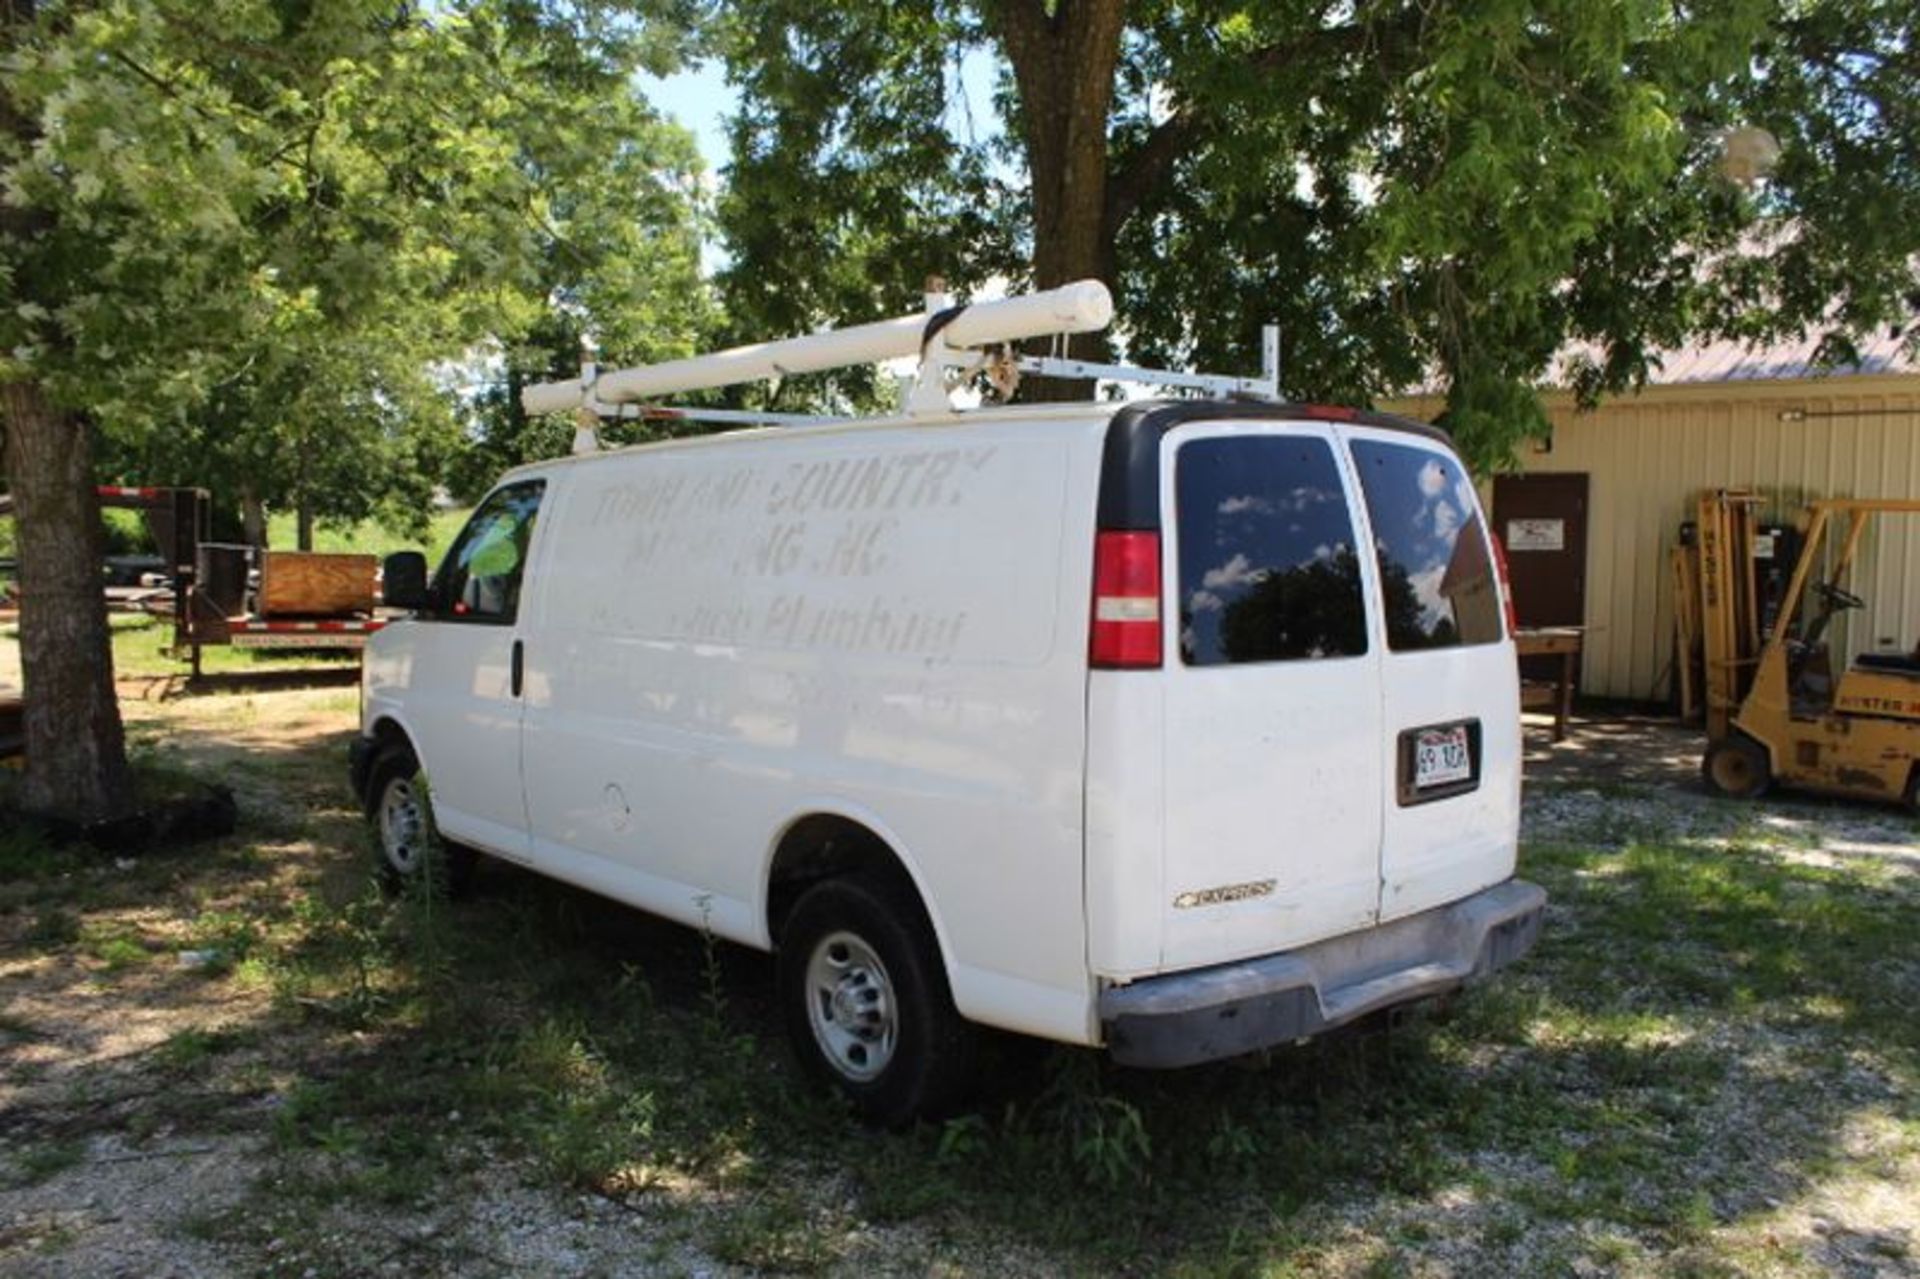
<point x="464" y="694"/>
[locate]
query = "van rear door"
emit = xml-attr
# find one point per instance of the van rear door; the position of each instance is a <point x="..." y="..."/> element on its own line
<point x="1450" y="750"/>
<point x="1272" y="694"/>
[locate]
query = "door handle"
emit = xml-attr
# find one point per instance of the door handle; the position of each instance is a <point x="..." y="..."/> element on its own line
<point x="519" y="666"/>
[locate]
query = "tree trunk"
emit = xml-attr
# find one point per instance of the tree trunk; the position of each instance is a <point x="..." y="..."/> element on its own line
<point x="302" y="505"/>
<point x="1063" y="67"/>
<point x="253" y="518"/>
<point x="76" y="749"/>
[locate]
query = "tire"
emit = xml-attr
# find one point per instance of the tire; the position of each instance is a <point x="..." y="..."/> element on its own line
<point x="866" y="1002"/>
<point x="1737" y="767"/>
<point x="407" y="846"/>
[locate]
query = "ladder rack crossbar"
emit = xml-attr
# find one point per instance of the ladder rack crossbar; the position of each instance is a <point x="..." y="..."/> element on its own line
<point x="1213" y="383"/>
<point x="729" y="417"/>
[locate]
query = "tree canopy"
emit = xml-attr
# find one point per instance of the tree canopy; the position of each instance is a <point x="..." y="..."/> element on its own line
<point x="266" y="230"/>
<point x="245" y="243"/>
<point x="1450" y="191"/>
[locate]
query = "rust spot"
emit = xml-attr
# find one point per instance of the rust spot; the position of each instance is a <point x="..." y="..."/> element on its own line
<point x="1860" y="779"/>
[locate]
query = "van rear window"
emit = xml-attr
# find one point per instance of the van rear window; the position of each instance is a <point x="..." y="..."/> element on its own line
<point x="1435" y="570"/>
<point x="1268" y="567"/>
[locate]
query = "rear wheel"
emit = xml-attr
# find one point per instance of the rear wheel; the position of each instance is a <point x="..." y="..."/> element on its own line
<point x="407" y="844"/>
<point x="1737" y="767"/>
<point x="866" y="1003"/>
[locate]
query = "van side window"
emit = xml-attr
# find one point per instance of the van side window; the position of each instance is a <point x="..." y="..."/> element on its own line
<point x="1435" y="570"/>
<point x="1268" y="566"/>
<point x="479" y="581"/>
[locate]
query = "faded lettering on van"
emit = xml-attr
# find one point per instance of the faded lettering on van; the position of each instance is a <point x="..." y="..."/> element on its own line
<point x="724" y="624"/>
<point x="659" y="499"/>
<point x="900" y="481"/>
<point x="857" y="549"/>
<point x="777" y="552"/>
<point x="876" y="625"/>
<point x="804" y="550"/>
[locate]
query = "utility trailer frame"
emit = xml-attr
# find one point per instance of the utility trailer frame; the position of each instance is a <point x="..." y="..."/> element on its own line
<point x="181" y="522"/>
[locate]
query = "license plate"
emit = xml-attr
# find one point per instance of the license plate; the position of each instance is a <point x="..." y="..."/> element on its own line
<point x="1441" y="757"/>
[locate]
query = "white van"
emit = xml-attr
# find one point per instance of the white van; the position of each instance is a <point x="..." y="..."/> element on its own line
<point x="1098" y="723"/>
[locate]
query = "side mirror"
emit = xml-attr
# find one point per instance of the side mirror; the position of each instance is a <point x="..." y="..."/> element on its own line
<point x="403" y="580"/>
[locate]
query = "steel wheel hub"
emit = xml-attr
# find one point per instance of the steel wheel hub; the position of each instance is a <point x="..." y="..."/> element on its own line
<point x="403" y="824"/>
<point x="851" y="1006"/>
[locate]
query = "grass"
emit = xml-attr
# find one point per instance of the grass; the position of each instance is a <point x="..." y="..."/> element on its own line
<point x="1701" y="1036"/>
<point x="1608" y="1096"/>
<point x="127" y="533"/>
<point x="370" y="537"/>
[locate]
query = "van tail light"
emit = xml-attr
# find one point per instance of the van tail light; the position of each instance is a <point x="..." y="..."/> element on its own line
<point x="1506" y="583"/>
<point x="1126" y="601"/>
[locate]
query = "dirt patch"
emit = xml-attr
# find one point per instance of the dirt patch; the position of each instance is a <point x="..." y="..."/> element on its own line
<point x="1637" y="749"/>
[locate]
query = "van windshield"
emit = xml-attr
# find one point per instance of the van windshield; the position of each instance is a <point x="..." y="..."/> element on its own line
<point x="1436" y="574"/>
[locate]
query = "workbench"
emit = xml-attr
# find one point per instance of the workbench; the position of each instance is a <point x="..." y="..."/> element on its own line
<point x="1556" y="694"/>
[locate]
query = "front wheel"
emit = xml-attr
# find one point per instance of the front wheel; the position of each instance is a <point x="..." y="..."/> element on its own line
<point x="408" y="846"/>
<point x="1737" y="767"/>
<point x="866" y="1003"/>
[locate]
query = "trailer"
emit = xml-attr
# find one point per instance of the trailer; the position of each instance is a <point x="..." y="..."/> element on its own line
<point x="221" y="593"/>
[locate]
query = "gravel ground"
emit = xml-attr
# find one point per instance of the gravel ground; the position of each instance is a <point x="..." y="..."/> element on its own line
<point x="105" y="1188"/>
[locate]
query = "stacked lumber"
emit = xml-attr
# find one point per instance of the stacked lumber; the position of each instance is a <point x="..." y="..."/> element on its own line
<point x="314" y="584"/>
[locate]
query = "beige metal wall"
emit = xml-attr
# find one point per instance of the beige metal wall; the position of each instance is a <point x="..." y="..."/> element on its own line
<point x="1648" y="455"/>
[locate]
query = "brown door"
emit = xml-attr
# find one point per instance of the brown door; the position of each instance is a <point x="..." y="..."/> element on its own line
<point x="1541" y="520"/>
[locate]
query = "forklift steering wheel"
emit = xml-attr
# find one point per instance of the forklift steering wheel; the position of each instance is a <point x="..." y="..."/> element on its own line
<point x="1839" y="597"/>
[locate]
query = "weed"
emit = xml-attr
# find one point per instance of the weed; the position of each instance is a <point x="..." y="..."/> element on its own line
<point x="1105" y="1135"/>
<point x="316" y="1116"/>
<point x="186" y="1049"/>
<point x="342" y="965"/>
<point x="962" y="1138"/>
<point x="228" y="937"/>
<point x="776" y="1232"/>
<point x="53" y="928"/>
<point x="1230" y="1142"/>
<point x="713" y="987"/>
<point x="594" y="1141"/>
<point x="47" y="1160"/>
<point x="25" y="854"/>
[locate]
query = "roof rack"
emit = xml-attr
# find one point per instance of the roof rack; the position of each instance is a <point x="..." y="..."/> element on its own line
<point x="952" y="343"/>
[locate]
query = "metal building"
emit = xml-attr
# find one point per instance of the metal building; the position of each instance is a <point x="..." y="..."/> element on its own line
<point x="1591" y="518"/>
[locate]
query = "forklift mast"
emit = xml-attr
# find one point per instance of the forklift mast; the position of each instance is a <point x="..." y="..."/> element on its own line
<point x="1730" y="602"/>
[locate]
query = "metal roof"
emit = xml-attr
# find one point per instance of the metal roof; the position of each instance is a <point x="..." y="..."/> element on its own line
<point x="1728" y="360"/>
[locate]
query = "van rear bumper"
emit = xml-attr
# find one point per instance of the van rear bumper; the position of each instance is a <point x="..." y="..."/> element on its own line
<point x="1205" y="1014"/>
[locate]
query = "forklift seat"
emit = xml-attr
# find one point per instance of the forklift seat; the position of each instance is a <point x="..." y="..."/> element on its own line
<point x="1890" y="663"/>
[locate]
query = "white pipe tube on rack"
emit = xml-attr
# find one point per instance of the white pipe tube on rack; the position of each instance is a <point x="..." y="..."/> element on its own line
<point x="1082" y="307"/>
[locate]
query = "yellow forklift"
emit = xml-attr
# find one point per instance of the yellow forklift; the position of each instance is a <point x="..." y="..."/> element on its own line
<point x="1775" y="710"/>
